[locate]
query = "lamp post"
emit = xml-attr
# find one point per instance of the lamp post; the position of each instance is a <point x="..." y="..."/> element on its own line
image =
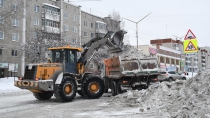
<point x="137" y="26"/>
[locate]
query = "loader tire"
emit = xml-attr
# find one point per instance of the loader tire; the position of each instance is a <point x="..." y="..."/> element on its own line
<point x="43" y="96"/>
<point x="66" y="91"/>
<point x="92" y="87"/>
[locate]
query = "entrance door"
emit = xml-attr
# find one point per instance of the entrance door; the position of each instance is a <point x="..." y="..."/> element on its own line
<point x="71" y="61"/>
<point x="1" y="73"/>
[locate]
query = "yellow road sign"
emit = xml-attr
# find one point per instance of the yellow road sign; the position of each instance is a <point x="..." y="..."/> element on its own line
<point x="190" y="46"/>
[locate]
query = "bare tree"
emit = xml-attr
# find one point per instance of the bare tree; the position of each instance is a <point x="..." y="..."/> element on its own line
<point x="116" y="17"/>
<point x="11" y="11"/>
<point x="36" y="47"/>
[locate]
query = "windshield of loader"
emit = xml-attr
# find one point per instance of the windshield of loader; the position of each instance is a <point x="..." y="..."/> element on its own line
<point x="57" y="56"/>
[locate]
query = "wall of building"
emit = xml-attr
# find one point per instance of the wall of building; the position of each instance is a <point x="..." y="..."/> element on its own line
<point x="71" y="36"/>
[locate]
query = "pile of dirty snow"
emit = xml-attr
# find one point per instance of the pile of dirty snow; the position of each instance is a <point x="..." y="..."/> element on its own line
<point x="190" y="98"/>
<point x="129" y="52"/>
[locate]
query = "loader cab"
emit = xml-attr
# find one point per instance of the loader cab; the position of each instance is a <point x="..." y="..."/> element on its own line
<point x="67" y="56"/>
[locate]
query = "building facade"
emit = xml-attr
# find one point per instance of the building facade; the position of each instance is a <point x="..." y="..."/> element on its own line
<point x="56" y="17"/>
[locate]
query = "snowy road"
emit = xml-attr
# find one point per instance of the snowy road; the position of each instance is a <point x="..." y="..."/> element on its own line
<point x="25" y="105"/>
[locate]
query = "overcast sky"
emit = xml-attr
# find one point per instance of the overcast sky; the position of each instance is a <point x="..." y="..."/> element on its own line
<point x="168" y="18"/>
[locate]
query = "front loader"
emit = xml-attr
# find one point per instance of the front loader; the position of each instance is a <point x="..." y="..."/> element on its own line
<point x="65" y="75"/>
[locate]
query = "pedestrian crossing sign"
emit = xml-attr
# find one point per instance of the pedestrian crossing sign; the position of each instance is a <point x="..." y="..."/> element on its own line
<point x="190" y="46"/>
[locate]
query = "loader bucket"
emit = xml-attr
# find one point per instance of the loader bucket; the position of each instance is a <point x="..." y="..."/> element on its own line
<point x="115" y="42"/>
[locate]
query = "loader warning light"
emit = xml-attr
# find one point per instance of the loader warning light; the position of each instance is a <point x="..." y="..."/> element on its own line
<point x="36" y="79"/>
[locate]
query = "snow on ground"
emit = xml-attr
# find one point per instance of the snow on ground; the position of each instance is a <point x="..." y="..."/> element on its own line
<point x="7" y="86"/>
<point x="190" y="98"/>
<point x="178" y="99"/>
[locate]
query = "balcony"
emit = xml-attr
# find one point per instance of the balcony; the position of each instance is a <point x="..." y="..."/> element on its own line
<point x="51" y="29"/>
<point x="195" y="66"/>
<point x="204" y="60"/>
<point x="203" y="55"/>
<point x="187" y="61"/>
<point x="50" y="16"/>
<point x="203" y="64"/>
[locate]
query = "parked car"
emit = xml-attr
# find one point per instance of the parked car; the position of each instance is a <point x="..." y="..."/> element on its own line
<point x="171" y="76"/>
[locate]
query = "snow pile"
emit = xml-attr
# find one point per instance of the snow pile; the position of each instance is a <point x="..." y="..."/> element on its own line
<point x="7" y="86"/>
<point x="190" y="98"/>
<point x="129" y="52"/>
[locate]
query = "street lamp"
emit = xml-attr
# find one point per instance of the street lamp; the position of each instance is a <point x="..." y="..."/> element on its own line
<point x="137" y="26"/>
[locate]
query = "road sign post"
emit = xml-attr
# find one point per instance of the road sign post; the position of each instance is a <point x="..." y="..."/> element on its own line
<point x="190" y="46"/>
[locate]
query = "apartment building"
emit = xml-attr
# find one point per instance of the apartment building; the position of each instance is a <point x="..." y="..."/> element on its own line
<point x="56" y="17"/>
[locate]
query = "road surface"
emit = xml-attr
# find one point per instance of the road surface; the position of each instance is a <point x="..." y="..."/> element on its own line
<point x="25" y="105"/>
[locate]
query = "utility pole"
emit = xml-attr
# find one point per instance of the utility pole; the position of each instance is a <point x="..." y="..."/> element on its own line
<point x="137" y="26"/>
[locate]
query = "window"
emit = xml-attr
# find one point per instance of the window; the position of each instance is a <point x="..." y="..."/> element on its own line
<point x="66" y="27"/>
<point x="0" y="51"/>
<point x="36" y="22"/>
<point x="35" y="35"/>
<point x="15" y="22"/>
<point x="162" y="60"/>
<point x="1" y="3"/>
<point x="92" y="35"/>
<point x="74" y="41"/>
<point x="75" y="18"/>
<point x="74" y="29"/>
<point x="15" y="37"/>
<point x="172" y="72"/>
<point x="91" y="25"/>
<point x="52" y="10"/>
<point x="85" y="34"/>
<point x="1" y="20"/>
<point x="85" y="23"/>
<point x="14" y="52"/>
<point x="1" y="35"/>
<point x="66" y="15"/>
<point x="167" y="60"/>
<point x="46" y="22"/>
<point x="66" y="38"/>
<point x="36" y="8"/>
<point x="15" y="7"/>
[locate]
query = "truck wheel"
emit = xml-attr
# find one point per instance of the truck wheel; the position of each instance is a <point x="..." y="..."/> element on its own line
<point x="66" y="91"/>
<point x="119" y="89"/>
<point x="43" y="96"/>
<point x="92" y="87"/>
<point x="80" y="93"/>
<point x="114" y="88"/>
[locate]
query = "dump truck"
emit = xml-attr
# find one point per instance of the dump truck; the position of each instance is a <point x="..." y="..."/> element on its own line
<point x="121" y="74"/>
<point x="65" y="75"/>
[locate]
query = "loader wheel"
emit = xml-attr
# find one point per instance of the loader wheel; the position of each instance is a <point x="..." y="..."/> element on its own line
<point x="92" y="87"/>
<point x="43" y="96"/>
<point x="66" y="91"/>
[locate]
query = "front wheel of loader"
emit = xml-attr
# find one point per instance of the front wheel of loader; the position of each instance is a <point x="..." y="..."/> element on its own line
<point x="92" y="87"/>
<point x="66" y="91"/>
<point x="43" y="96"/>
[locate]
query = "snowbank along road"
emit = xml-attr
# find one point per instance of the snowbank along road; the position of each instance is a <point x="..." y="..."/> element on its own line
<point x="181" y="98"/>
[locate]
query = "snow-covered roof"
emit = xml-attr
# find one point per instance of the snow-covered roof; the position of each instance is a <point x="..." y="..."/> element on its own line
<point x="51" y="5"/>
<point x="169" y="49"/>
